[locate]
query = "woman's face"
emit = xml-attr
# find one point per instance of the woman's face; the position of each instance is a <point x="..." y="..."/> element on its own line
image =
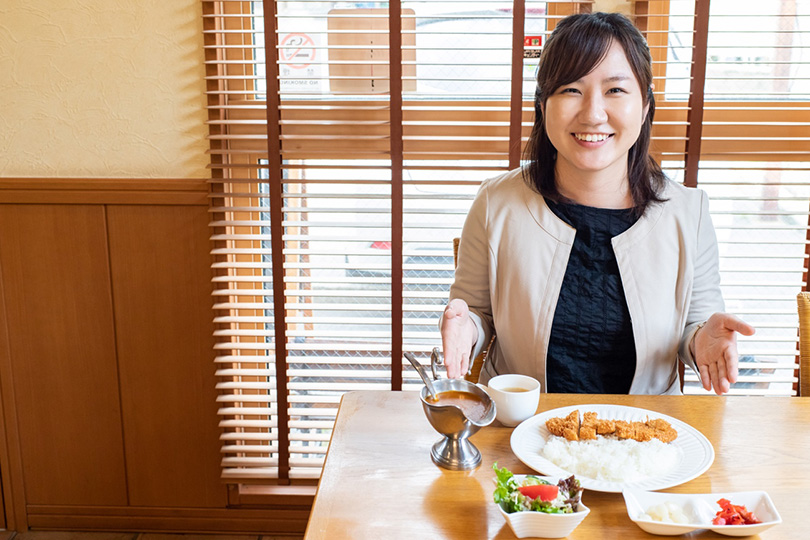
<point x="594" y="121"/>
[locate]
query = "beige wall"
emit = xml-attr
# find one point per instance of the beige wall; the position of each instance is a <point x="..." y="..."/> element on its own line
<point x="102" y="88"/>
<point x="611" y="6"/>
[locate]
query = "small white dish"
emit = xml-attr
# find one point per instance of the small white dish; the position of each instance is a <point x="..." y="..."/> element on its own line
<point x="700" y="509"/>
<point x="542" y="525"/>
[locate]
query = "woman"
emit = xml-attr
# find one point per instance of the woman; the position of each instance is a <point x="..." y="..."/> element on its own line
<point x="596" y="272"/>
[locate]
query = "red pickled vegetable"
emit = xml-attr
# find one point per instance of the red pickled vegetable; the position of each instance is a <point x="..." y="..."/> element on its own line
<point x="733" y="514"/>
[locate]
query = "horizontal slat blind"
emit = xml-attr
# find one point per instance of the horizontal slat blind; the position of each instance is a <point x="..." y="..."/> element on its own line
<point x="244" y="158"/>
<point x="754" y="166"/>
<point x="750" y="157"/>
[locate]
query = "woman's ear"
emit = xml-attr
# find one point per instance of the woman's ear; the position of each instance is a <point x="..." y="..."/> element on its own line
<point x="650" y="99"/>
<point x="538" y="104"/>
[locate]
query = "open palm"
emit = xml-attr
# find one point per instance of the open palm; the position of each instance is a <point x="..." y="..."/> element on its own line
<point x="716" y="351"/>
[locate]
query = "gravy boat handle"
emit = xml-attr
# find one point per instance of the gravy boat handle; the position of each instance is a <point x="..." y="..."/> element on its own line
<point x="437" y="360"/>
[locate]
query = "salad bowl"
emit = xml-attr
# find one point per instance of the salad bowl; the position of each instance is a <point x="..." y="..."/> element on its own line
<point x="540" y="525"/>
<point x="533" y="524"/>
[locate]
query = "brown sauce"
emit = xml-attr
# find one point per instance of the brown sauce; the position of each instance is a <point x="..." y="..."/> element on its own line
<point x="514" y="389"/>
<point x="470" y="404"/>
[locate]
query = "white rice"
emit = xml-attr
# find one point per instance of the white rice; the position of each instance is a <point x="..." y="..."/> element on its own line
<point x="610" y="459"/>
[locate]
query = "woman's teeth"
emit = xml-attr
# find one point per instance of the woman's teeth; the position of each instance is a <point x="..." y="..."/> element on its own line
<point x="591" y="137"/>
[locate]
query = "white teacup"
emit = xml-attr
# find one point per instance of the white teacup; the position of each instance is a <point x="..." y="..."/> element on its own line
<point x="515" y="396"/>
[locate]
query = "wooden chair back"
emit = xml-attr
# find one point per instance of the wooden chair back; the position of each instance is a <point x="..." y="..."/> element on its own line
<point x="803" y="375"/>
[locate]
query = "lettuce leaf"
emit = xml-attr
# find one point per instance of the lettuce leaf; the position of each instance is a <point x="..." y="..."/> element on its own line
<point x="506" y="493"/>
<point x="572" y="488"/>
<point x="505" y="489"/>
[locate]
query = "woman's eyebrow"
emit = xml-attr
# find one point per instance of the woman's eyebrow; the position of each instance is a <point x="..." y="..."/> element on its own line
<point x="611" y="79"/>
<point x="617" y="78"/>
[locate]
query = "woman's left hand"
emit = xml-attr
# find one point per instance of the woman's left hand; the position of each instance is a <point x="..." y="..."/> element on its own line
<point x="715" y="350"/>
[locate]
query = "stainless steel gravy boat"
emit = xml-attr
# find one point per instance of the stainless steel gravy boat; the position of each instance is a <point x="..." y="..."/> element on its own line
<point x="454" y="451"/>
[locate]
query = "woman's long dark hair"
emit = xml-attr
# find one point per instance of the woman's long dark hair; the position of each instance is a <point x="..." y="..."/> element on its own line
<point x="573" y="50"/>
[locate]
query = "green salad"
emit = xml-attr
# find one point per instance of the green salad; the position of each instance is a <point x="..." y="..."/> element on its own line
<point x="535" y="494"/>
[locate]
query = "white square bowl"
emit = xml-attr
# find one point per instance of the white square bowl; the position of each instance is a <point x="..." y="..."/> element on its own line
<point x="700" y="509"/>
<point x="542" y="525"/>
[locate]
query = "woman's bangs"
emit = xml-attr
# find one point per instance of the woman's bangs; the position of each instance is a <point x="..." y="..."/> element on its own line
<point x="577" y="55"/>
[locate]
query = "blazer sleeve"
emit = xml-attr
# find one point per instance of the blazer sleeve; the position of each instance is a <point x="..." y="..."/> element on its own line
<point x="472" y="276"/>
<point x="706" y="295"/>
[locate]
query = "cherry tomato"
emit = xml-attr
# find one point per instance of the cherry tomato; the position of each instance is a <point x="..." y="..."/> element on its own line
<point x="544" y="492"/>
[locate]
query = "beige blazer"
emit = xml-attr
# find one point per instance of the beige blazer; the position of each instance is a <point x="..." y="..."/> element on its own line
<point x="513" y="256"/>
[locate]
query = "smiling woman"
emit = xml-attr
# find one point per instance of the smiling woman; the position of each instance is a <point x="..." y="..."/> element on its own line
<point x="598" y="273"/>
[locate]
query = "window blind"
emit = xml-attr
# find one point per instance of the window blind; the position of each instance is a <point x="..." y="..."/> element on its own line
<point x="347" y="141"/>
<point x="336" y="191"/>
<point x="750" y="156"/>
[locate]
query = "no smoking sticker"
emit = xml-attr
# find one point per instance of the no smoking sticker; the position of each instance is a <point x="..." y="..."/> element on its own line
<point x="297" y="51"/>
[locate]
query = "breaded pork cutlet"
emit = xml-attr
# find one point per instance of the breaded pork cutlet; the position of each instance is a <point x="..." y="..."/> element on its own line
<point x="556" y="426"/>
<point x="630" y="430"/>
<point x="662" y="430"/>
<point x="605" y="427"/>
<point x="587" y="431"/>
<point x="641" y="432"/>
<point x="646" y="431"/>
<point x="571" y="429"/>
<point x="567" y="427"/>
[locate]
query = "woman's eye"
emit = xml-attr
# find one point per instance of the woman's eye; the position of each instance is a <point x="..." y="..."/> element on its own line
<point x="568" y="90"/>
<point x="616" y="91"/>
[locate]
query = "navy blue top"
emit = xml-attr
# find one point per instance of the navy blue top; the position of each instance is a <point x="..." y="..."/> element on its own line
<point x="591" y="348"/>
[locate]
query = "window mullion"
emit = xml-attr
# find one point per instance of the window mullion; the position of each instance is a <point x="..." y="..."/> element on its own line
<point x="694" y="119"/>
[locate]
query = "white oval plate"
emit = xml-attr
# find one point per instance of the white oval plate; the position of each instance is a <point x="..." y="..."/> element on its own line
<point x="696" y="453"/>
<point x="700" y="509"/>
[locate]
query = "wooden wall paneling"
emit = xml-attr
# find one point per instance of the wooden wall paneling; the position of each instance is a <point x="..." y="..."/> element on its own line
<point x="162" y="288"/>
<point x="2" y="499"/>
<point x="103" y="191"/>
<point x="62" y="353"/>
<point x="11" y="476"/>
<point x="282" y="519"/>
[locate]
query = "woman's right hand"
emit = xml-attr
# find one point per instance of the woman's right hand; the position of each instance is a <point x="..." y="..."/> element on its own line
<point x="459" y="334"/>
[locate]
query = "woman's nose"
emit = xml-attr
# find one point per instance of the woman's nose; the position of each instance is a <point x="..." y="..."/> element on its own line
<point x="593" y="111"/>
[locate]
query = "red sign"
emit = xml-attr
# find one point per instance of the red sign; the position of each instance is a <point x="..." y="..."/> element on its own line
<point x="533" y="41"/>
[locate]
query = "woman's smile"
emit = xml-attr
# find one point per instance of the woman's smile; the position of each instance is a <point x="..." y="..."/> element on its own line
<point x="591" y="137"/>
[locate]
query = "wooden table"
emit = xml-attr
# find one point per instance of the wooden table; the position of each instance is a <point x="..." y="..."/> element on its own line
<point x="379" y="480"/>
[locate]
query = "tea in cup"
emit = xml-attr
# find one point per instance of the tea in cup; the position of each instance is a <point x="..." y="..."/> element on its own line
<point x="515" y="396"/>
